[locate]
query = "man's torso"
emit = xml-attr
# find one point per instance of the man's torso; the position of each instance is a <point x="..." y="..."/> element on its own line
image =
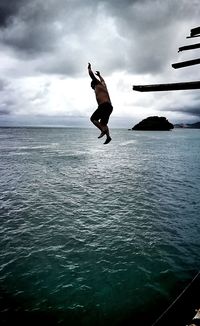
<point x="102" y="94"/>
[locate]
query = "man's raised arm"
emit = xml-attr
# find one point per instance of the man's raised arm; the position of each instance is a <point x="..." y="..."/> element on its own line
<point x="91" y="72"/>
<point x="101" y="78"/>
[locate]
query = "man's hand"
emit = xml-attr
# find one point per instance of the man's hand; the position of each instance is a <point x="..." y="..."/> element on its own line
<point x="91" y="72"/>
<point x="100" y="77"/>
<point x="97" y="73"/>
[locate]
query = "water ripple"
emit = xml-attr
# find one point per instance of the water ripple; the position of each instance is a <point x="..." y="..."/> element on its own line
<point x="86" y="226"/>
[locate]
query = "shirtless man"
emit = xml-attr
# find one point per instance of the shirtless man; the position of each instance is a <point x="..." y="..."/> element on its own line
<point x="101" y="116"/>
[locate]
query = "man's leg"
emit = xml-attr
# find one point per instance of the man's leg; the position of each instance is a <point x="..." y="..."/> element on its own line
<point x="96" y="123"/>
<point x="108" y="138"/>
<point x="106" y="112"/>
<point x="95" y="117"/>
<point x="105" y="131"/>
<point x="102" y="125"/>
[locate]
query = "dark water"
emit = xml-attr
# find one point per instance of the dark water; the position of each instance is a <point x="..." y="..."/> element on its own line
<point x="95" y="234"/>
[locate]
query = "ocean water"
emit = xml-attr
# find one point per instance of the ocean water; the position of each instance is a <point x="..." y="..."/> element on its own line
<point x="95" y="234"/>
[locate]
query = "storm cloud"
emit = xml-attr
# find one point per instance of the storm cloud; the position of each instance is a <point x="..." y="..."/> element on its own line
<point x="50" y="42"/>
<point x="190" y="105"/>
<point x="68" y="33"/>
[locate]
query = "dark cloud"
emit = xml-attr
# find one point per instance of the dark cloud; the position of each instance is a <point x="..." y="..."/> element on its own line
<point x="3" y="84"/>
<point x="30" y="30"/>
<point x="151" y="29"/>
<point x="189" y="109"/>
<point x="39" y="26"/>
<point x="58" y="37"/>
<point x="4" y="111"/>
<point x="136" y="36"/>
<point x="9" y="9"/>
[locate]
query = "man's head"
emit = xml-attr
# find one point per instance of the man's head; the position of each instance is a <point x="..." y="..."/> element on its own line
<point x="94" y="83"/>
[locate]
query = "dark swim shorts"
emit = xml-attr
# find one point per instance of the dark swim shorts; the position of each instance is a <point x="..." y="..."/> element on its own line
<point x="102" y="113"/>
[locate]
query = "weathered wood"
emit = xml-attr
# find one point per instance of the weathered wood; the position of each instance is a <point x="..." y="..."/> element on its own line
<point x="193" y="36"/>
<point x="185" y="63"/>
<point x="195" y="31"/>
<point x="167" y="87"/>
<point x="189" y="47"/>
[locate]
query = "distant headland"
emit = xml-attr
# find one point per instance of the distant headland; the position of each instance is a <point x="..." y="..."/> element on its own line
<point x="154" y="123"/>
<point x="195" y="125"/>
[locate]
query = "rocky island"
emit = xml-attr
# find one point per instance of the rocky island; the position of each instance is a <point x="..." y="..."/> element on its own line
<point x="154" y="123"/>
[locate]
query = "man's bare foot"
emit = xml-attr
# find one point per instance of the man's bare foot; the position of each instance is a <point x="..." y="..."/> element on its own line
<point x="102" y="134"/>
<point x="108" y="140"/>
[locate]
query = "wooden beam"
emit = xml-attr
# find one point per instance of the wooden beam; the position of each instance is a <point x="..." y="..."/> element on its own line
<point x="167" y="87"/>
<point x="189" y="47"/>
<point x="193" y="36"/>
<point x="195" y="31"/>
<point x="185" y="63"/>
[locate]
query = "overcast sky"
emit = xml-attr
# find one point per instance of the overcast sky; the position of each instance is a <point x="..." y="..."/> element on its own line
<point x="45" y="47"/>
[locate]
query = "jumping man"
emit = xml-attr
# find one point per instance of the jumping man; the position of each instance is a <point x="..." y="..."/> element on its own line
<point x="101" y="116"/>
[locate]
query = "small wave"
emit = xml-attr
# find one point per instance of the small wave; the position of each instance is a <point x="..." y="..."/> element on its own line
<point x="129" y="142"/>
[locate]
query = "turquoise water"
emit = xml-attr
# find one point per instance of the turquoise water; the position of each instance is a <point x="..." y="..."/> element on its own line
<point x="92" y="233"/>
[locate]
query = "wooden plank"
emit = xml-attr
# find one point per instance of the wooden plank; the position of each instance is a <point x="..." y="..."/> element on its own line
<point x="185" y="63"/>
<point x="195" y="31"/>
<point x="193" y="36"/>
<point x="167" y="87"/>
<point x="189" y="47"/>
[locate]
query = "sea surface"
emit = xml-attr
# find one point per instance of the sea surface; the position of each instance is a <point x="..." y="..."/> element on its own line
<point x="95" y="234"/>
